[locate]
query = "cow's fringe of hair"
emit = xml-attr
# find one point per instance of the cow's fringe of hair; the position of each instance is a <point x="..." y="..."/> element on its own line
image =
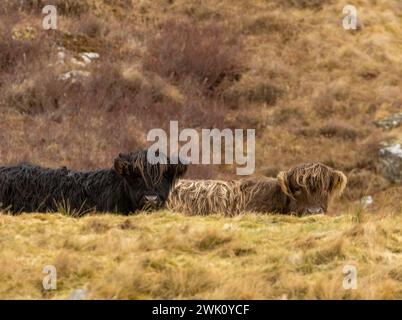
<point x="312" y="177"/>
<point x="152" y="174"/>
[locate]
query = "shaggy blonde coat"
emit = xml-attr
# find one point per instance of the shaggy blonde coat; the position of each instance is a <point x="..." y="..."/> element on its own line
<point x="291" y="192"/>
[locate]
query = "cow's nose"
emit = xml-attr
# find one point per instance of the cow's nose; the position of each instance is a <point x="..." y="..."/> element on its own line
<point x="315" y="210"/>
<point x="151" y="199"/>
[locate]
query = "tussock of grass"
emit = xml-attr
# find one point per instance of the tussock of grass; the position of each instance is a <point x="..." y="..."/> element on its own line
<point x="170" y="256"/>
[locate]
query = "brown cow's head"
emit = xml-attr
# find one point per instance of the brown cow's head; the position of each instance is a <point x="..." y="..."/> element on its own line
<point x="311" y="186"/>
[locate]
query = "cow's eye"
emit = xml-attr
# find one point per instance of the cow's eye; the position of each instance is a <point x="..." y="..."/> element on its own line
<point x="296" y="189"/>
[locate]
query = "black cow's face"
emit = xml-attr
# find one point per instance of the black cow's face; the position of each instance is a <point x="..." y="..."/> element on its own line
<point x="148" y="185"/>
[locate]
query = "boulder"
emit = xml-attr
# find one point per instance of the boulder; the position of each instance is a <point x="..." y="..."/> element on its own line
<point x="74" y="75"/>
<point x="390" y="122"/>
<point x="390" y="165"/>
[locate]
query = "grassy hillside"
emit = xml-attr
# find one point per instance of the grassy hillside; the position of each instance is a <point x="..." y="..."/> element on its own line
<point x="170" y="256"/>
<point x="288" y="69"/>
<point x="285" y="68"/>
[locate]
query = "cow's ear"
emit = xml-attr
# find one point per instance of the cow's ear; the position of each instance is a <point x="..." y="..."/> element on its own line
<point x="338" y="183"/>
<point x="121" y="166"/>
<point x="283" y="180"/>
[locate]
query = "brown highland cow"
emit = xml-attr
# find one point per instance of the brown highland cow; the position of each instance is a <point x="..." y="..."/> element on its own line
<point x="304" y="189"/>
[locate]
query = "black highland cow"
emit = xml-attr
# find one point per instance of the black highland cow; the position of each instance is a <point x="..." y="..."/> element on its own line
<point x="133" y="184"/>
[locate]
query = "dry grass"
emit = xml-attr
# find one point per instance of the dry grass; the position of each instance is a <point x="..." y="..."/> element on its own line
<point x="184" y="50"/>
<point x="169" y="256"/>
<point x="285" y="68"/>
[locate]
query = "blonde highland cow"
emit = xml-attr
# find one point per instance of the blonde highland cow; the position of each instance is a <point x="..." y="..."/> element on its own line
<point x="304" y="189"/>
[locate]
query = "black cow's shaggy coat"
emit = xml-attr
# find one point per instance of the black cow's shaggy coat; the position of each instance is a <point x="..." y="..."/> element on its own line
<point x="133" y="184"/>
